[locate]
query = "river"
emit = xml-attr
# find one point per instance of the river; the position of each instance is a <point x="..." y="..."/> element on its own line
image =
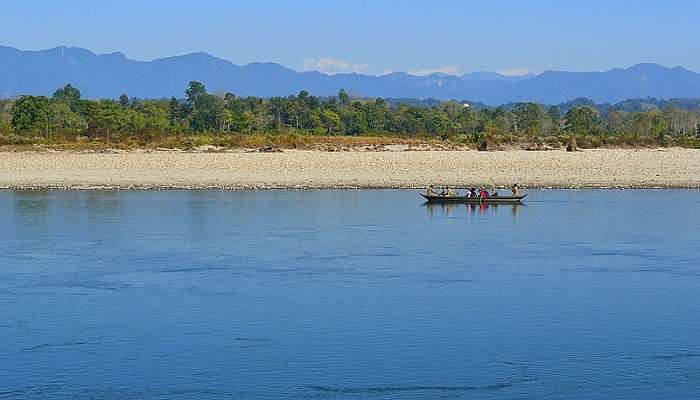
<point x="344" y="294"/>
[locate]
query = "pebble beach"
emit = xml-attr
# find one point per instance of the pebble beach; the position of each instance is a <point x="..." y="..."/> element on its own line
<point x="310" y="169"/>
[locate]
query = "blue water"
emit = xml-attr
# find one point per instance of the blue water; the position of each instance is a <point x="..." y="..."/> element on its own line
<point x="348" y="295"/>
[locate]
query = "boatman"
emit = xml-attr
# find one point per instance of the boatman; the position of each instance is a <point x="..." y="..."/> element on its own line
<point x="515" y="190"/>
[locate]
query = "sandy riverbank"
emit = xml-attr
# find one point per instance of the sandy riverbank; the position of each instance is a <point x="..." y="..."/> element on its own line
<point x="317" y="169"/>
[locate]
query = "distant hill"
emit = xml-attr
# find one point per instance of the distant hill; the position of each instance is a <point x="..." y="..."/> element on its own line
<point x="109" y="75"/>
<point x="639" y="81"/>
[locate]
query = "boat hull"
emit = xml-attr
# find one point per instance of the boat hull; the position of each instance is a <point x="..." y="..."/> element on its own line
<point x="473" y="200"/>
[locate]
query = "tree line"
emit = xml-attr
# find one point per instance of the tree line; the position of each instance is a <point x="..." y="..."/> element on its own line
<point x="200" y="111"/>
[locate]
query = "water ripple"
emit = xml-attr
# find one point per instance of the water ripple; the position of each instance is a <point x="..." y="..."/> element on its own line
<point x="383" y="390"/>
<point x="45" y="346"/>
<point x="676" y="356"/>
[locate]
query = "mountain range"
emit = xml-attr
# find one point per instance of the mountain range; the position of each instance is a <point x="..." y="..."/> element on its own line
<point x="109" y="75"/>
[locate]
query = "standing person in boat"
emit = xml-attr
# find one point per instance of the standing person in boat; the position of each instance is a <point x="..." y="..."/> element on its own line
<point x="483" y="193"/>
<point x="515" y="190"/>
<point x="472" y="192"/>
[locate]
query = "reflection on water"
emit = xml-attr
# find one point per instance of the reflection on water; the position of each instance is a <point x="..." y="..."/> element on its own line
<point x="348" y="295"/>
<point x="34" y="205"/>
<point x="469" y="210"/>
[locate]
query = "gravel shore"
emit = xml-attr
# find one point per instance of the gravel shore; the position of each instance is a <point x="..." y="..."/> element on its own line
<point x="318" y="169"/>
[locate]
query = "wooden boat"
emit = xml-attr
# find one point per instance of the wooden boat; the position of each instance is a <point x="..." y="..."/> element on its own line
<point x="473" y="200"/>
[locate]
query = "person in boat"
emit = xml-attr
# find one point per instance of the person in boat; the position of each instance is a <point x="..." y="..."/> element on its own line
<point x="515" y="190"/>
<point x="472" y="192"/>
<point x="447" y="192"/>
<point x="430" y="191"/>
<point x="483" y="193"/>
<point x="494" y="193"/>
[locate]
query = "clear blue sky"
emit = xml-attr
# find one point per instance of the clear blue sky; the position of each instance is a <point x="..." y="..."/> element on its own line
<point x="371" y="36"/>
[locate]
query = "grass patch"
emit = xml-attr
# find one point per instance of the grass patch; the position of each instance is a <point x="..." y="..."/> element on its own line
<point x="13" y="142"/>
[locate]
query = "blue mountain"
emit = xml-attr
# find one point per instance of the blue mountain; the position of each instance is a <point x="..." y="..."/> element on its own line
<point x="109" y="75"/>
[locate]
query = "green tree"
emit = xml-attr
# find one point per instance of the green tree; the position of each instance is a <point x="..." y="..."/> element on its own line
<point x="195" y="91"/>
<point x="107" y="117"/>
<point x="353" y="120"/>
<point x="124" y="100"/>
<point x="277" y="108"/>
<point x="157" y="119"/>
<point x="497" y="121"/>
<point x="582" y="120"/>
<point x="67" y="94"/>
<point x="436" y="121"/>
<point x="330" y="121"/>
<point x="648" y="123"/>
<point x="62" y="118"/>
<point x="554" y="113"/>
<point x="174" y="111"/>
<point x="5" y="116"/>
<point x="554" y="123"/>
<point x="528" y="118"/>
<point x="403" y="120"/>
<point x="682" y="123"/>
<point x="243" y="121"/>
<point x="376" y="116"/>
<point x="31" y="114"/>
<point x="615" y="122"/>
<point x="208" y="114"/>
<point x="344" y="98"/>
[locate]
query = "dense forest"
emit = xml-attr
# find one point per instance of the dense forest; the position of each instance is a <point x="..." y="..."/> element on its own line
<point x="66" y="115"/>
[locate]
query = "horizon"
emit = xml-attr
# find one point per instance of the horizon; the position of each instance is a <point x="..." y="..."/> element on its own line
<point x="512" y="38"/>
<point x="529" y="74"/>
<point x="108" y="75"/>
